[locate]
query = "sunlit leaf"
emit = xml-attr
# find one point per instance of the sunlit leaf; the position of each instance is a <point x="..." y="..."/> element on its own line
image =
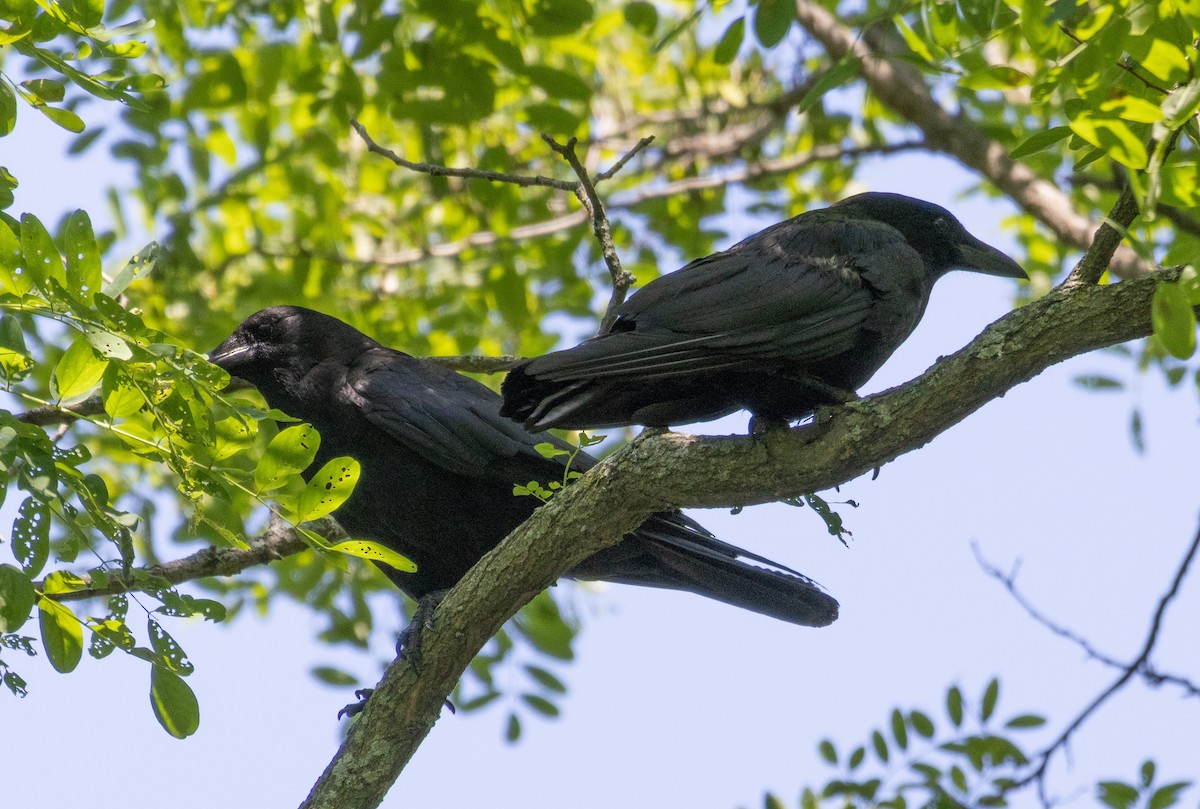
<point x="289" y="453"/>
<point x="328" y="488"/>
<point x="62" y="635"/>
<point x="174" y="703"/>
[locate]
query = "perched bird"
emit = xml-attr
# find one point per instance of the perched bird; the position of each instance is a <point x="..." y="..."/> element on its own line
<point x="438" y="465"/>
<point x="799" y="315"/>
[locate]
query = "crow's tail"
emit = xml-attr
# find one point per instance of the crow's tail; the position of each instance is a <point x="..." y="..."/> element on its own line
<point x="673" y="552"/>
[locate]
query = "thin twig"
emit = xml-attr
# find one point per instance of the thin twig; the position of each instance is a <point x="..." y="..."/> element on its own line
<point x="524" y="181"/>
<point x="625" y="158"/>
<point x="586" y="192"/>
<point x="1104" y="244"/>
<point x="276" y="542"/>
<point x="1148" y="672"/>
<point x="1039" y="773"/>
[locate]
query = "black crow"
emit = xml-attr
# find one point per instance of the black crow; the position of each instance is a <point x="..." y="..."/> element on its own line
<point x="438" y="465"/>
<point x="794" y="317"/>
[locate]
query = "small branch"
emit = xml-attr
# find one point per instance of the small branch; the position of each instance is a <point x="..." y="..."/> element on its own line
<point x="1104" y="244"/>
<point x="1039" y="773"/>
<point x="276" y="542"/>
<point x="434" y="170"/>
<point x="586" y="192"/>
<point x="625" y="158"/>
<point x="53" y="414"/>
<point x="1148" y="672"/>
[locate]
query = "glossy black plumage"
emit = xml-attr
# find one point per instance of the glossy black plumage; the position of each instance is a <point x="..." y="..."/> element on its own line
<point x="439" y="463"/>
<point x="796" y="316"/>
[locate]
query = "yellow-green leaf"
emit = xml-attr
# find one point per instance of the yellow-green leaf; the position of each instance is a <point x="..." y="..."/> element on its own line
<point x="375" y="552"/>
<point x="16" y="598"/>
<point x="998" y="77"/>
<point x="83" y="257"/>
<point x="1174" y="320"/>
<point x="42" y="260"/>
<point x="328" y="489"/>
<point x="1114" y="137"/>
<point x="77" y="372"/>
<point x="289" y="453"/>
<point x="174" y="703"/>
<point x="121" y="396"/>
<point x="13" y="276"/>
<point x="62" y="635"/>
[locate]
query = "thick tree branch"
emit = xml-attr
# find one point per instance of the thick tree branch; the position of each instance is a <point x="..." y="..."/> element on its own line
<point x="901" y="88"/>
<point x="667" y="470"/>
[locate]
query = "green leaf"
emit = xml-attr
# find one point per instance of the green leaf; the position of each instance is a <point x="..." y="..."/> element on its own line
<point x="540" y="704"/>
<point x="120" y="395"/>
<point x="1027" y="720"/>
<point x="827" y="751"/>
<point x="997" y="77"/>
<point x="512" y="730"/>
<point x="13" y="275"/>
<point x="31" y="535"/>
<point x="1113" y="136"/>
<point x="168" y="653"/>
<point x="915" y="43"/>
<point x="1167" y="795"/>
<point x="289" y="453"/>
<point x="375" y="552"/>
<point x="64" y="118"/>
<point x="329" y="488"/>
<point x="899" y="730"/>
<point x="1174" y="320"/>
<point x="47" y="90"/>
<point x="990" y="695"/>
<point x="138" y="267"/>
<point x="174" y="703"/>
<point x="8" y="109"/>
<point x="83" y="257"/>
<point x="62" y="635"/>
<point x="109" y="345"/>
<point x="332" y="676"/>
<point x="1116" y="794"/>
<point x="642" y="17"/>
<point x="880" y="745"/>
<point x="1097" y="382"/>
<point x="843" y="71"/>
<point x="14" y="355"/>
<point x="730" y="42"/>
<point x="544" y="678"/>
<point x="78" y="371"/>
<point x="42" y="261"/>
<point x="16" y="598"/>
<point x="954" y="705"/>
<point x="772" y="19"/>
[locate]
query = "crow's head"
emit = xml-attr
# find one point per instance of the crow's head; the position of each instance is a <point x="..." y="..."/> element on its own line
<point x="274" y="349"/>
<point x="933" y="232"/>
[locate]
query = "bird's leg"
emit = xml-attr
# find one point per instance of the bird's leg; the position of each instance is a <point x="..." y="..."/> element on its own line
<point x="408" y="647"/>
<point x="408" y="643"/>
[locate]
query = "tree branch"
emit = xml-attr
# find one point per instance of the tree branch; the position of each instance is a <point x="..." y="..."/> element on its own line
<point x="278" y="541"/>
<point x="1148" y="672"/>
<point x="585" y="190"/>
<point x="668" y="470"/>
<point x="1039" y="773"/>
<point x="900" y="87"/>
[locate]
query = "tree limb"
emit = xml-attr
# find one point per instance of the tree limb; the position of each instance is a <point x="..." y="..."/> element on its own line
<point x="900" y="87"/>
<point x="668" y="470"/>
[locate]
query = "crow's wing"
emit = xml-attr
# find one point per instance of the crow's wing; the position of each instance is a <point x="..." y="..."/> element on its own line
<point x="449" y="419"/>
<point x="800" y="291"/>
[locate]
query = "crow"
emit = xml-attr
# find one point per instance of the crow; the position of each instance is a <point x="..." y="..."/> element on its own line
<point x="797" y="316"/>
<point x="438" y="466"/>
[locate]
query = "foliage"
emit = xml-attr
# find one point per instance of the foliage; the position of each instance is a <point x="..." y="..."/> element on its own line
<point x="969" y="759"/>
<point x="236" y="120"/>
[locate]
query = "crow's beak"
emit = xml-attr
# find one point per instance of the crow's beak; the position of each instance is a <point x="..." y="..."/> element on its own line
<point x="230" y="355"/>
<point x="988" y="260"/>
